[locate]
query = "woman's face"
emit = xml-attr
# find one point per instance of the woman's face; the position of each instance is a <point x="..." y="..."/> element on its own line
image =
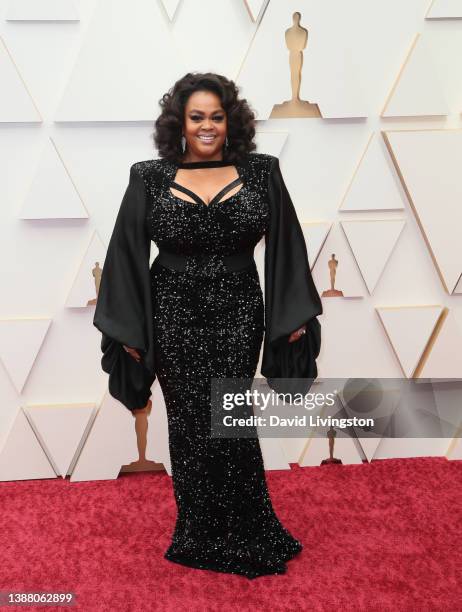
<point x="205" y="126"/>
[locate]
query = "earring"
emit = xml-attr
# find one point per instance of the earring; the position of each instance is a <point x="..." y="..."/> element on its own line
<point x="183" y="143"/>
<point x="226" y="142"/>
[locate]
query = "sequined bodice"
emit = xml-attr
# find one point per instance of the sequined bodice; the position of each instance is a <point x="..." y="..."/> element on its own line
<point x="222" y="227"/>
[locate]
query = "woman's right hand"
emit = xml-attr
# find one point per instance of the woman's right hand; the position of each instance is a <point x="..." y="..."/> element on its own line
<point x="133" y="352"/>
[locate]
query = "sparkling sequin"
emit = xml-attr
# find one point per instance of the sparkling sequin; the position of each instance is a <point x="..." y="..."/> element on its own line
<point x="209" y="322"/>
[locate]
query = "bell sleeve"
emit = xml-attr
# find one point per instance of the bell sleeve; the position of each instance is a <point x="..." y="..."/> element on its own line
<point x="291" y="298"/>
<point x="123" y="311"/>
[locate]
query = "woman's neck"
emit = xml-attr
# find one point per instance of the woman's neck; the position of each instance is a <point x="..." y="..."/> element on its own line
<point x="194" y="159"/>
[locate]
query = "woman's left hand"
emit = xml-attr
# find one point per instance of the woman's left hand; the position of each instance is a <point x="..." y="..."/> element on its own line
<point x="297" y="333"/>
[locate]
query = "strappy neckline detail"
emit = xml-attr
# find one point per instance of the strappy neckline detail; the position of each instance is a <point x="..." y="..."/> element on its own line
<point x="215" y="163"/>
<point x="216" y="197"/>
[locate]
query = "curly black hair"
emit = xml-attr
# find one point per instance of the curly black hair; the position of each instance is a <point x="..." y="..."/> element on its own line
<point x="240" y="117"/>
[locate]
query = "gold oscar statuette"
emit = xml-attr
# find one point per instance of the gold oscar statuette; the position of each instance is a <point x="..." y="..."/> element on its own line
<point x="296" y="40"/>
<point x="331" y="435"/>
<point x="96" y="272"/>
<point x="332" y="292"/>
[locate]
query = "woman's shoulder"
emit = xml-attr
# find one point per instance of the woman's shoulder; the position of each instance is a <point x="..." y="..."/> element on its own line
<point x="261" y="162"/>
<point x="147" y="165"/>
<point x="261" y="158"/>
<point x="151" y="170"/>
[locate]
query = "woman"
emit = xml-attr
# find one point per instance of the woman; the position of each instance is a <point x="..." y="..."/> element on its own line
<point x="198" y="313"/>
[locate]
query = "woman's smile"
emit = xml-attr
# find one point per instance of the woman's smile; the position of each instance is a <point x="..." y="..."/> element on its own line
<point x="207" y="139"/>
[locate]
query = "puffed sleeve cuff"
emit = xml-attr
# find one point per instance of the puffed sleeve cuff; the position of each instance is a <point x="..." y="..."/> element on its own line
<point x="291" y="298"/>
<point x="123" y="311"/>
<point x="129" y="381"/>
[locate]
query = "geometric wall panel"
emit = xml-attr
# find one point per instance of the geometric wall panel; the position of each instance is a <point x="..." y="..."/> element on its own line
<point x="256" y="8"/>
<point x="126" y="63"/>
<point x="447" y="407"/>
<point x="44" y="10"/>
<point x="171" y="6"/>
<point x="52" y="194"/>
<point x="445" y="9"/>
<point x="444" y="359"/>
<point x="335" y="272"/>
<point x="372" y="243"/>
<point x="374" y="185"/>
<point x="86" y="284"/>
<point x="230" y="42"/>
<point x="417" y="91"/>
<point x="112" y="442"/>
<point x="409" y="330"/>
<point x="61" y="430"/>
<point x="315" y="234"/>
<point x="458" y="287"/>
<point x="22" y="457"/>
<point x="116" y="77"/>
<point x="20" y="342"/>
<point x="16" y="103"/>
<point x="384" y="404"/>
<point x="429" y="165"/>
<point x="425" y="409"/>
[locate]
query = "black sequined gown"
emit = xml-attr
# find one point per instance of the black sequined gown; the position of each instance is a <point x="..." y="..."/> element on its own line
<point x="209" y="322"/>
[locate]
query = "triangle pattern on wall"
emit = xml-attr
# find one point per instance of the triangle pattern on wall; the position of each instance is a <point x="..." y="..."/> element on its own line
<point x="372" y="243"/>
<point x="16" y="103"/>
<point x="61" y="430"/>
<point x="63" y="200"/>
<point x="347" y="279"/>
<point x="20" y="342"/>
<point x="375" y="175"/>
<point x="381" y="401"/>
<point x="315" y="235"/>
<point x="84" y="289"/>
<point x="444" y="359"/>
<point x="409" y="329"/>
<point x="256" y="8"/>
<point x="113" y="81"/>
<point x="22" y="457"/>
<point x="417" y="91"/>
<point x="458" y="287"/>
<point x="428" y="162"/>
<point x="171" y="7"/>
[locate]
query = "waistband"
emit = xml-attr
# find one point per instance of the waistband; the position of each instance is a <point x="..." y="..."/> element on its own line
<point x="177" y="261"/>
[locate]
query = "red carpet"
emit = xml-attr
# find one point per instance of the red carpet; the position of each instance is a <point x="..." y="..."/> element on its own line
<point x="380" y="537"/>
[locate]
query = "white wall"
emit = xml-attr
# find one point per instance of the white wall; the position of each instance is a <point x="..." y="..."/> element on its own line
<point x="78" y="102"/>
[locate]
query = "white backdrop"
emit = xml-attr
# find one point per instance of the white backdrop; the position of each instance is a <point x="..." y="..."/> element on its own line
<point x="376" y="179"/>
